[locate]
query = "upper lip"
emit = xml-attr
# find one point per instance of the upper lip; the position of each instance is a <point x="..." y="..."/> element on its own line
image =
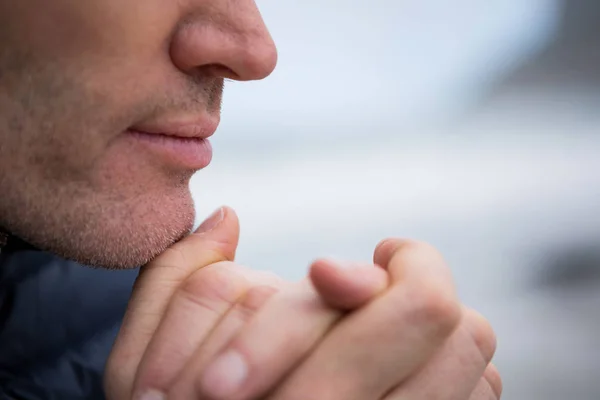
<point x="201" y="128"/>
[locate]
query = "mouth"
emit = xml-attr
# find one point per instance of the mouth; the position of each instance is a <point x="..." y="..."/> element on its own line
<point x="182" y="145"/>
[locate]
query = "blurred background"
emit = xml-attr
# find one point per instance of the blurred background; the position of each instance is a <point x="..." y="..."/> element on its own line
<point x="473" y="125"/>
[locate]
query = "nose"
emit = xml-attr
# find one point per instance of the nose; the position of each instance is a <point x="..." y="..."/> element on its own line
<point x="227" y="38"/>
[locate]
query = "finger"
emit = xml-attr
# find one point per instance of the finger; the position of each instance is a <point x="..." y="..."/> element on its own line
<point x="366" y="353"/>
<point x="455" y="370"/>
<point x="197" y="308"/>
<point x="385" y="250"/>
<point x="215" y="240"/>
<point x="276" y="339"/>
<point x="227" y="329"/>
<point x="483" y="391"/>
<point x="194" y="310"/>
<point x="347" y="287"/>
<point x="492" y="376"/>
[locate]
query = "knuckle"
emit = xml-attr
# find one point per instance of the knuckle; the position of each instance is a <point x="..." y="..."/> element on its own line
<point x="494" y="380"/>
<point x="482" y="334"/>
<point x="267" y="278"/>
<point x="417" y="249"/>
<point x="429" y="286"/>
<point x="394" y="253"/>
<point x="414" y="255"/>
<point x="483" y="391"/>
<point x="213" y="286"/>
<point x="256" y="297"/>
<point x="435" y="307"/>
<point x="390" y="248"/>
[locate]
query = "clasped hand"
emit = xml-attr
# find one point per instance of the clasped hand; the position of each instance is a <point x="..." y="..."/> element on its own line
<point x="200" y="326"/>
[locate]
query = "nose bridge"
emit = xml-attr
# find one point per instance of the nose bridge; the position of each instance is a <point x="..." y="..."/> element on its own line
<point x="226" y="33"/>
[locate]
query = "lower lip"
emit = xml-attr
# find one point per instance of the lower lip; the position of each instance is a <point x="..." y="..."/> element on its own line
<point x="189" y="153"/>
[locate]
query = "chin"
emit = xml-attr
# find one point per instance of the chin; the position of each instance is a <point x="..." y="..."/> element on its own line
<point x="118" y="235"/>
<point x="141" y="240"/>
<point x="130" y="249"/>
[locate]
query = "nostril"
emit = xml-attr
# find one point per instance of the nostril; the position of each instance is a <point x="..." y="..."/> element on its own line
<point x="221" y="71"/>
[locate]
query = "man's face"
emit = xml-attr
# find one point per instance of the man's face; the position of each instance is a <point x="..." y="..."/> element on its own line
<point x="94" y="98"/>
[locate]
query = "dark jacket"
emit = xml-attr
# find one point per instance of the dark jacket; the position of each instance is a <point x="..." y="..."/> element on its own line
<point x="58" y="321"/>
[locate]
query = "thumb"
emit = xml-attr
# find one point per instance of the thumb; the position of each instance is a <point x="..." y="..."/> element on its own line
<point x="215" y="240"/>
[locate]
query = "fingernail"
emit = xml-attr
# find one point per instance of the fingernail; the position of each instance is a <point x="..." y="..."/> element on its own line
<point x="225" y="375"/>
<point x="153" y="395"/>
<point x="212" y="221"/>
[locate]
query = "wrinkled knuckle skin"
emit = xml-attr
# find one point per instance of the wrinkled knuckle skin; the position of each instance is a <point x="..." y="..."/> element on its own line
<point x="433" y="300"/>
<point x="256" y="297"/>
<point x="482" y="333"/>
<point x="437" y="308"/>
<point x="213" y="285"/>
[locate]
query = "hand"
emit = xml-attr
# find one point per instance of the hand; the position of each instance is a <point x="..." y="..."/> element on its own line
<point x="415" y="341"/>
<point x="191" y="300"/>
<point x="127" y="356"/>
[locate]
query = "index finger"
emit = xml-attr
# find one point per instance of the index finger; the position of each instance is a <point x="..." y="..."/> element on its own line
<point x="216" y="240"/>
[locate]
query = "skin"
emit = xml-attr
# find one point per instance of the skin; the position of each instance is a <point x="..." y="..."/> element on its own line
<point x="74" y="77"/>
<point x="387" y="331"/>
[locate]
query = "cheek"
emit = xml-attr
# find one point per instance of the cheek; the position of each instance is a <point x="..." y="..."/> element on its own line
<point x="81" y="85"/>
<point x="67" y="131"/>
<point x="124" y="167"/>
<point x="63" y="126"/>
<point x="81" y="31"/>
<point x="52" y="130"/>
